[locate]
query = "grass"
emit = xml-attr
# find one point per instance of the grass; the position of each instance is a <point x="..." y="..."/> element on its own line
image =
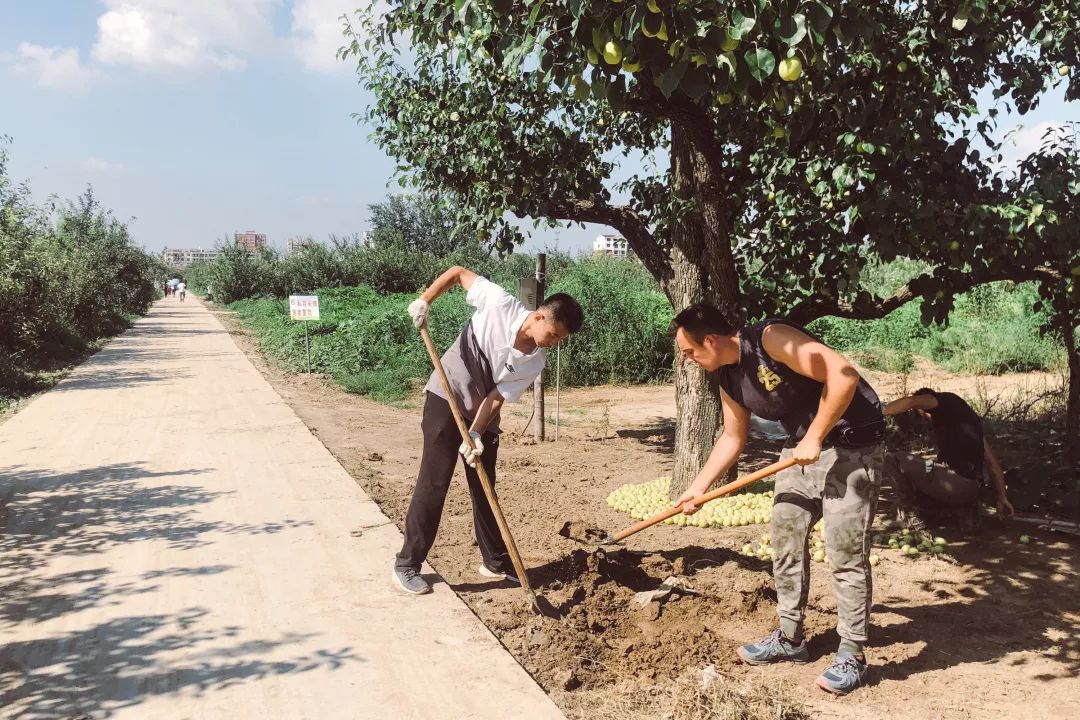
<point x="993" y="329"/>
<point x="689" y="698"/>
<point x="366" y="343"/>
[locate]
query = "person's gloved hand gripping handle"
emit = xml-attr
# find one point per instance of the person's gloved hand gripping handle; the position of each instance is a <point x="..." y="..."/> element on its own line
<point x="488" y="409"/>
<point x="418" y="312"/>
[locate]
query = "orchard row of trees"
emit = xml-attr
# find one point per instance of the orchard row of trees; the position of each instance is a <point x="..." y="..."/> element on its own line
<point x="826" y="132"/>
<point x="411" y="240"/>
<point x="69" y="274"/>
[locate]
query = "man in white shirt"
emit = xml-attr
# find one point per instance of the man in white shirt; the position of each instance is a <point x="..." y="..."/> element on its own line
<point x="499" y="353"/>
<point x="182" y="288"/>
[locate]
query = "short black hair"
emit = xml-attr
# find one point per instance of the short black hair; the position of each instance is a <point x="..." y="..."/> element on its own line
<point x="699" y="320"/>
<point x="565" y="310"/>
<point x="924" y="391"/>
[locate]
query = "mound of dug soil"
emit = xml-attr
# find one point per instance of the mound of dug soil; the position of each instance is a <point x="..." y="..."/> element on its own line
<point x="613" y="625"/>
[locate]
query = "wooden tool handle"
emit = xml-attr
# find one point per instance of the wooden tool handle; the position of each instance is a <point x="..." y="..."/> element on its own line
<point x="702" y="499"/>
<point x="489" y="491"/>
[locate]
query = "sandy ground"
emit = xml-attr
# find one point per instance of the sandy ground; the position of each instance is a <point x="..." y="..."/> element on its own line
<point x="991" y="631"/>
<point x="175" y="544"/>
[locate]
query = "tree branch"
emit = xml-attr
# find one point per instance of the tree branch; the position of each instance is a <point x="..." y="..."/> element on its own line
<point x="867" y="307"/>
<point x="621" y="217"/>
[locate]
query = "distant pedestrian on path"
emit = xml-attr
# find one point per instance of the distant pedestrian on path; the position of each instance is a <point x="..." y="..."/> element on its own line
<point x="182" y="287"/>
<point x="955" y="479"/>
<point x="499" y="353"/>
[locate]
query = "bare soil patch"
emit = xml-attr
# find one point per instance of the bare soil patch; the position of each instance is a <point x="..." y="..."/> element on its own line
<point x="993" y="631"/>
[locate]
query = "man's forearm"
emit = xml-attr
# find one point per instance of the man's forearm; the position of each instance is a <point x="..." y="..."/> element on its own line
<point x="442" y="283"/>
<point x="836" y="396"/>
<point x="489" y="408"/>
<point x="724" y="454"/>
<point x="995" y="472"/>
<point x="897" y="407"/>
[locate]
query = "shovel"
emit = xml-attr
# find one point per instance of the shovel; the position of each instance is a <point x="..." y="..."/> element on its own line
<point x="700" y="500"/>
<point x="539" y="604"/>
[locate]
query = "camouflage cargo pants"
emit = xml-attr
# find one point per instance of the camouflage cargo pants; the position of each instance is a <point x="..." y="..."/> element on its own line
<point x="842" y="486"/>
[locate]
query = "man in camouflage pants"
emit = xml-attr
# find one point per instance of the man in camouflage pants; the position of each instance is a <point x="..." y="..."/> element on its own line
<point x="776" y="370"/>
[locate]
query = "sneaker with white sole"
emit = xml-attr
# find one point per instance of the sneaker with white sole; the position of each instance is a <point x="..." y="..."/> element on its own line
<point x="772" y="649"/>
<point x="496" y="575"/>
<point x="847" y="672"/>
<point x="410" y="581"/>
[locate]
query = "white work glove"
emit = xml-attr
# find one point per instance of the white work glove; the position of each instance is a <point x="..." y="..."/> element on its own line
<point x="471" y="455"/>
<point x="418" y="311"/>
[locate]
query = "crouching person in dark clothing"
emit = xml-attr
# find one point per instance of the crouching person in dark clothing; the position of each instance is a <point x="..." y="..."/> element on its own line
<point x="955" y="479"/>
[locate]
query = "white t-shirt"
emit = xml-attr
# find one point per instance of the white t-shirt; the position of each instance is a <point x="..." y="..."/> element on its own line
<point x="181" y="287"/>
<point x="483" y="356"/>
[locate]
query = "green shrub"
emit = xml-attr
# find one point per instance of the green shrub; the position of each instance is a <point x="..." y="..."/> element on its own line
<point x="69" y="275"/>
<point x="624" y="338"/>
<point x="367" y="343"/>
<point x="993" y="329"/>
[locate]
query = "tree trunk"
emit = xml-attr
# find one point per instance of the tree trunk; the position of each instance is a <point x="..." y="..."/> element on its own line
<point x="1072" y="413"/>
<point x="703" y="271"/>
<point x="697" y="394"/>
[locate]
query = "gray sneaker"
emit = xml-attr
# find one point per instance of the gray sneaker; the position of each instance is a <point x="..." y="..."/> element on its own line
<point x="410" y="581"/>
<point x="497" y="575"/>
<point x="845" y="674"/>
<point x="774" y="648"/>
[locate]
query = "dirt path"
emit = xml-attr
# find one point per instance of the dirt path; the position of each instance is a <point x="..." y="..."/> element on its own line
<point x="992" y="633"/>
<point x="175" y="544"/>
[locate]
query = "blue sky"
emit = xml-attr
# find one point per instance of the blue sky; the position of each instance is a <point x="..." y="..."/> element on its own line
<point x="199" y="118"/>
<point x="195" y="117"/>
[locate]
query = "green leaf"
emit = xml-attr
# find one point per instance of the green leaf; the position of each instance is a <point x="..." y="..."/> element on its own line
<point x="729" y="60"/>
<point x="651" y="23"/>
<point x="761" y="63"/>
<point x="695" y="83"/>
<point x="820" y="17"/>
<point x="843" y="176"/>
<point x="741" y="25"/>
<point x="535" y="14"/>
<point x="960" y="19"/>
<point x="793" y="29"/>
<point x="669" y="81"/>
<point x="1036" y="212"/>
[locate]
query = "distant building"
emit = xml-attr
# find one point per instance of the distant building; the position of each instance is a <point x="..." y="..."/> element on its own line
<point x="294" y="244"/>
<point x="250" y="240"/>
<point x="182" y="257"/>
<point x="612" y="246"/>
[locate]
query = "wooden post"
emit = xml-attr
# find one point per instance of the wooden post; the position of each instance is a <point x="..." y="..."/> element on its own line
<point x="538" y="384"/>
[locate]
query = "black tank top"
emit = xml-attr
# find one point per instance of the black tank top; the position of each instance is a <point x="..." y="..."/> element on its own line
<point x="770" y="389"/>
<point x="958" y="432"/>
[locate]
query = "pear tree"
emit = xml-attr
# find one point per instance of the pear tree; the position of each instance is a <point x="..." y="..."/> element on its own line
<point x="754" y="154"/>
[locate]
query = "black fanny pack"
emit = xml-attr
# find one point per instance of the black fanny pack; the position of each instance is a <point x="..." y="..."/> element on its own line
<point x="857" y="436"/>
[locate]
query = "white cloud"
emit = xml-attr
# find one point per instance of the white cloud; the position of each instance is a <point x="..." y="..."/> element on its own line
<point x="98" y="166"/>
<point x="161" y="35"/>
<point x="316" y="30"/>
<point x="196" y="35"/>
<point x="54" y="67"/>
<point x="1025" y="141"/>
